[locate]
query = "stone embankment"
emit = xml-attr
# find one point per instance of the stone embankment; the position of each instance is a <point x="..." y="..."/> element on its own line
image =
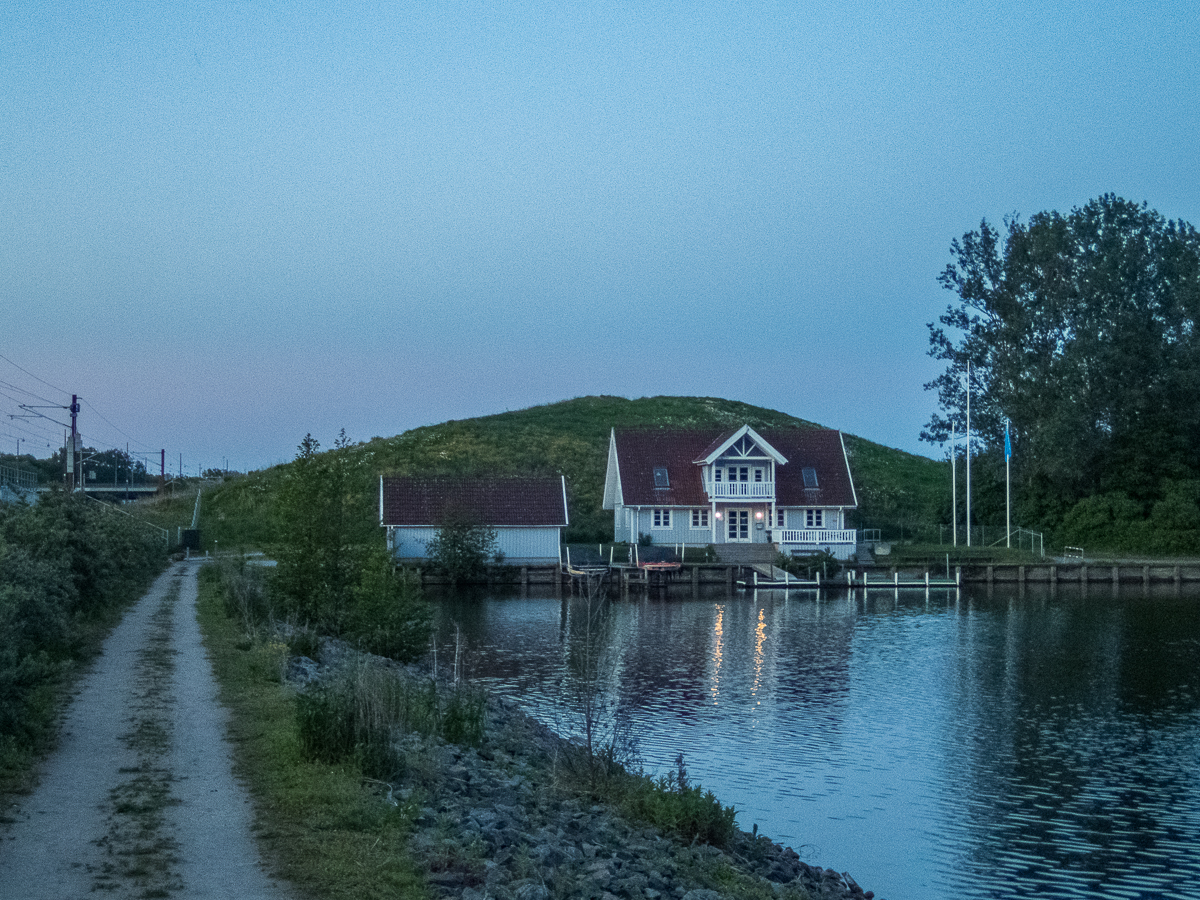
<point x="497" y="823"/>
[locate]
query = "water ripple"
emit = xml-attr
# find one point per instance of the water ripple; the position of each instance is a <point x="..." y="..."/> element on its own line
<point x="960" y="746"/>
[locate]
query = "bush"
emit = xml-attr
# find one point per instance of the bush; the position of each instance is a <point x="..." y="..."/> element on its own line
<point x="807" y="567"/>
<point x="389" y="617"/>
<point x="67" y="564"/>
<point x="674" y="804"/>
<point x="463" y="550"/>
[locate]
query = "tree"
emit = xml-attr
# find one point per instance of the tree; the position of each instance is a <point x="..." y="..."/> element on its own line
<point x="462" y="549"/>
<point x="1081" y="330"/>
<point x="321" y="521"/>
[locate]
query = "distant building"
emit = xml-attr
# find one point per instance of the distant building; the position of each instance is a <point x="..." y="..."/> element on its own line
<point x="788" y="487"/>
<point x="528" y="514"/>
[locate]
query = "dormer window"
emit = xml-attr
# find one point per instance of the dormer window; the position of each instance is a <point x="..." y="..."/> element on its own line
<point x="810" y="477"/>
<point x="661" y="481"/>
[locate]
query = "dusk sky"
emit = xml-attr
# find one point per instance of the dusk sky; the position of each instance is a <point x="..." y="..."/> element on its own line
<point x="225" y="225"/>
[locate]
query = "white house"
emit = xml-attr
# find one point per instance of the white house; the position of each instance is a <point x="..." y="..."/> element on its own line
<point x="528" y="514"/>
<point x="789" y="487"/>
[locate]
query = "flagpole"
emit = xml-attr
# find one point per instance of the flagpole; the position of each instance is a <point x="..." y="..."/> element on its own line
<point x="968" y="453"/>
<point x="954" y="481"/>
<point x="1007" y="485"/>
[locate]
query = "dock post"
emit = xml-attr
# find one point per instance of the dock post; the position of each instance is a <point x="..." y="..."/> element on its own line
<point x="524" y="577"/>
<point x="1021" y="575"/>
<point x="1116" y="575"/>
<point x="958" y="575"/>
<point x="990" y="575"/>
<point x="926" y="584"/>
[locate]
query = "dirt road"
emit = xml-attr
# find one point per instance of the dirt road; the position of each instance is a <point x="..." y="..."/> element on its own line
<point x="140" y="800"/>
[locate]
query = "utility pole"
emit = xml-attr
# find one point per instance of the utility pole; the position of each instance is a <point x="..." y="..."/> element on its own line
<point x="73" y="447"/>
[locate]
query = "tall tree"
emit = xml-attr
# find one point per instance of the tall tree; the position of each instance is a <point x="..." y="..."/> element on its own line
<point x="320" y="523"/>
<point x="1081" y="329"/>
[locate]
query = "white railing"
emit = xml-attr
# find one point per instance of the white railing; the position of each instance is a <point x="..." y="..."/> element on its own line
<point x="814" y="535"/>
<point x="742" y="490"/>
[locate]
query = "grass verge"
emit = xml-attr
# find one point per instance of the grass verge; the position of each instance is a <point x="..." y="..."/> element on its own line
<point x="322" y="829"/>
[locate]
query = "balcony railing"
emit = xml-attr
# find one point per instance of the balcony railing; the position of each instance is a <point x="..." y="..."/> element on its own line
<point x="742" y="490"/>
<point x="814" y="535"/>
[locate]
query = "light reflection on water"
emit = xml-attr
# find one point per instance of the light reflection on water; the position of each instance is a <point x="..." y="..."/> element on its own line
<point x="950" y="746"/>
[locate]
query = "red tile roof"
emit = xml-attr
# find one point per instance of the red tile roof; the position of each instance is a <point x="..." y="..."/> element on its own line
<point x="488" y="501"/>
<point x="640" y="452"/>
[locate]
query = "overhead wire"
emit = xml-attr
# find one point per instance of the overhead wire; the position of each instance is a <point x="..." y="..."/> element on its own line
<point x="34" y="377"/>
<point x="30" y="417"/>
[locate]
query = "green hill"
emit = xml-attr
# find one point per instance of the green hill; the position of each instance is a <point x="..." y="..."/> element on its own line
<point x="571" y="438"/>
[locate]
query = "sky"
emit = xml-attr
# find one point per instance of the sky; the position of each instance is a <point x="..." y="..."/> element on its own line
<point x="226" y="225"/>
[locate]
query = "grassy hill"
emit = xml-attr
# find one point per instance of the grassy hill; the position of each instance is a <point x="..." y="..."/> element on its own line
<point x="571" y="438"/>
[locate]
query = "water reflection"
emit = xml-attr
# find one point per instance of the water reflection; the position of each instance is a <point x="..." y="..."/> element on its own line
<point x="984" y="744"/>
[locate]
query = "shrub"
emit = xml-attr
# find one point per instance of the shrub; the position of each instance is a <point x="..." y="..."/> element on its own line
<point x="807" y="567"/>
<point x="673" y="803"/>
<point x="389" y="617"/>
<point x="463" y="550"/>
<point x="67" y="564"/>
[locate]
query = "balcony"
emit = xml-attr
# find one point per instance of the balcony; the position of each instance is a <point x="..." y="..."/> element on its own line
<point x="742" y="490"/>
<point x="814" y="536"/>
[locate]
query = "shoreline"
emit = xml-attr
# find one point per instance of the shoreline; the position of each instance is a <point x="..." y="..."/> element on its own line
<point x="507" y="821"/>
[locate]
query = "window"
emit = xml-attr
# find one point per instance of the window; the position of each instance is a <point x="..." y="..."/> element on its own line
<point x="758" y="476"/>
<point x="660" y="518"/>
<point x="717" y="472"/>
<point x="660" y="477"/>
<point x="814" y="518"/>
<point x="810" y="477"/>
<point x="700" y="518"/>
<point x="739" y="473"/>
<point x="779" y="518"/>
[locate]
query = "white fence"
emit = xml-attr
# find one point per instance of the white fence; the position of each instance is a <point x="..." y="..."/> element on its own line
<point x="742" y="490"/>
<point x="814" y="536"/>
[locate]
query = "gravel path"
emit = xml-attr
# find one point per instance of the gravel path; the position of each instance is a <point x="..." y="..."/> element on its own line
<point x="139" y="800"/>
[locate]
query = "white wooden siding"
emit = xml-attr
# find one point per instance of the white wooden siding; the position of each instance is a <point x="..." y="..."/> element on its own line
<point x="519" y="545"/>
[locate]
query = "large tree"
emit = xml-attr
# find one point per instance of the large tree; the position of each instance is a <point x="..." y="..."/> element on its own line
<point x="1080" y="329"/>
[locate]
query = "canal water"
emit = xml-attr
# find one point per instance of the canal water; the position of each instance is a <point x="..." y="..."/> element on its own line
<point x="944" y="744"/>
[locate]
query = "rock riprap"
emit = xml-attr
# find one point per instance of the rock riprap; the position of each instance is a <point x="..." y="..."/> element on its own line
<point x="501" y="822"/>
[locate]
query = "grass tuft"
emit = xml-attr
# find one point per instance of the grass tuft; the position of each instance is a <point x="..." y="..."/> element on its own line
<point x="320" y="826"/>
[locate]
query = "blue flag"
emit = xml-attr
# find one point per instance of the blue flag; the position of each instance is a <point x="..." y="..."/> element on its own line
<point x="1007" y="443"/>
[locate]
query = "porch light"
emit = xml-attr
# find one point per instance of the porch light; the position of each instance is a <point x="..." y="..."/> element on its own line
<point x="718" y="515"/>
<point x="758" y="515"/>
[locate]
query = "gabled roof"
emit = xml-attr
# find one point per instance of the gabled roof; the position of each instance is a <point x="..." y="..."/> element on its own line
<point x="633" y="456"/>
<point x="721" y="444"/>
<point x="498" y="502"/>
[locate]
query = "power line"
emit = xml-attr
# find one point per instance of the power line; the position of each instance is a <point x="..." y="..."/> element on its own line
<point x="34" y="377"/>
<point x="23" y="391"/>
<point x="92" y="407"/>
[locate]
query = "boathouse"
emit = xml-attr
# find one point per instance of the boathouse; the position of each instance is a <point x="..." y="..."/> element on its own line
<point x="528" y="514"/>
<point x="788" y="487"/>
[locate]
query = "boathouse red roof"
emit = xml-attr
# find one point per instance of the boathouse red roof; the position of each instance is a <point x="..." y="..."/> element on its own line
<point x="499" y="502"/>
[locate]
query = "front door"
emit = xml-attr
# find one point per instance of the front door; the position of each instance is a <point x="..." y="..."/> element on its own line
<point x="737" y="525"/>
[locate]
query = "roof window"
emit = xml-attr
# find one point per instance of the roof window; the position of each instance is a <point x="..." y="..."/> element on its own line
<point x="660" y="477"/>
<point x="810" y="476"/>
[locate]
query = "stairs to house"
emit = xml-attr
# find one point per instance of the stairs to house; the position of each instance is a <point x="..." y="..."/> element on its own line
<point x="747" y="554"/>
